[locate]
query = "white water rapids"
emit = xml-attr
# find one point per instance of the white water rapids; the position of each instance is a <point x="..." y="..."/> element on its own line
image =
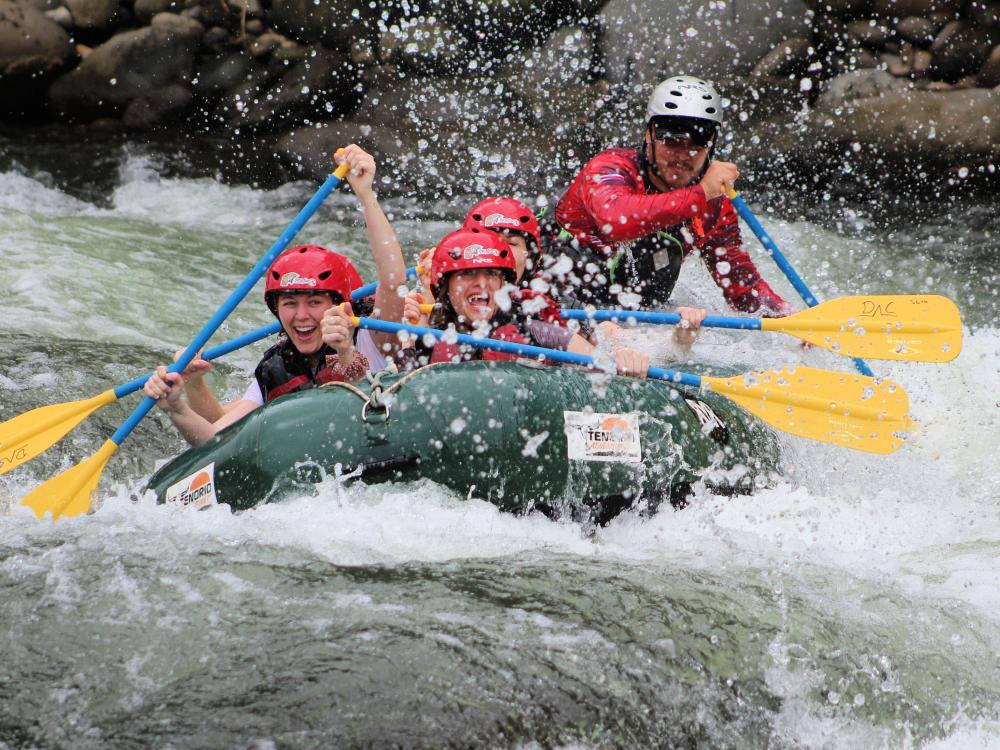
<point x="855" y="603"/>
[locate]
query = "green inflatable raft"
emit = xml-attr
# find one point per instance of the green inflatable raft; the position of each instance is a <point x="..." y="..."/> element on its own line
<point x="518" y="434"/>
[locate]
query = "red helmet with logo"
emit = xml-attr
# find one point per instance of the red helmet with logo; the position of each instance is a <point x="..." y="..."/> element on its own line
<point x="310" y="268"/>
<point x="504" y="215"/>
<point x="466" y="249"/>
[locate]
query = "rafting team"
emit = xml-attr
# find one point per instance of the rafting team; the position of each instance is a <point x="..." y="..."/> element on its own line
<point x="625" y="225"/>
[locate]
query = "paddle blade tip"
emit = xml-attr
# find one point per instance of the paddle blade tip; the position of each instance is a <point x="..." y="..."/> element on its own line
<point x="71" y="493"/>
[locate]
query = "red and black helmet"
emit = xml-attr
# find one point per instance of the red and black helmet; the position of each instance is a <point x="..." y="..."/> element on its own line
<point x="504" y="215"/>
<point x="310" y="268"/>
<point x="467" y="249"/>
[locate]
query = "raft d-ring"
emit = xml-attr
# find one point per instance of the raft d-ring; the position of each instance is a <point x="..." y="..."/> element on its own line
<point x="383" y="406"/>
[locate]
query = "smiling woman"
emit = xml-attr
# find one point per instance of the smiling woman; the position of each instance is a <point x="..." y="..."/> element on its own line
<point x="307" y="288"/>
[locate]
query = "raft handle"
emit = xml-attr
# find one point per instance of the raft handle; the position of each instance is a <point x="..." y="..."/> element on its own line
<point x="384" y="406"/>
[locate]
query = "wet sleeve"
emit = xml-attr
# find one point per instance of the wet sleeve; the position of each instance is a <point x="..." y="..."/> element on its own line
<point x="254" y="394"/>
<point x="621" y="210"/>
<point x="367" y="346"/>
<point x="731" y="266"/>
<point x="549" y="335"/>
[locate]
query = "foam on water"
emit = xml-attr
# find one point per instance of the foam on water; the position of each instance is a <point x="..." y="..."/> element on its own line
<point x="921" y="526"/>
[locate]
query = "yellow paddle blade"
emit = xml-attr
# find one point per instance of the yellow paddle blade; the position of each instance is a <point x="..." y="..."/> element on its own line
<point x="26" y="436"/>
<point x="847" y="409"/>
<point x="71" y="493"/>
<point x="914" y="327"/>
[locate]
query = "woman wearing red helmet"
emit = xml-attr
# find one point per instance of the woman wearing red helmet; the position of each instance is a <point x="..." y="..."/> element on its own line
<point x="308" y="288"/>
<point x="472" y="273"/>
<point x="518" y="226"/>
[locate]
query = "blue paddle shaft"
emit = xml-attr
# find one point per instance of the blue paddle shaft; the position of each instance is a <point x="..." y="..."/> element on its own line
<point x="246" y="339"/>
<point x="214" y="353"/>
<point x="800" y="286"/>
<point x="659" y="318"/>
<point x="512" y="347"/>
<point x="232" y="301"/>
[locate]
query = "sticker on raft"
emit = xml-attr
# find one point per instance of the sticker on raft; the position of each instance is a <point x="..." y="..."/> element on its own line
<point x="196" y="490"/>
<point x="603" y="437"/>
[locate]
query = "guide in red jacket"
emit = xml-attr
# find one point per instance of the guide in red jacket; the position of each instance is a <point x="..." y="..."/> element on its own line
<point x="636" y="214"/>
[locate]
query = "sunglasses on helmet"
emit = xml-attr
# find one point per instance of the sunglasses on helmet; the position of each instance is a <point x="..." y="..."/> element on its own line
<point x="696" y="134"/>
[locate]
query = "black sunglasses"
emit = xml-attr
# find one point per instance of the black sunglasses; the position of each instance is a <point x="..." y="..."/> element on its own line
<point x="701" y="136"/>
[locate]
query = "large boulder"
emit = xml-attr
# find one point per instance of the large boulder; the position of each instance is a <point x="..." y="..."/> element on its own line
<point x="553" y="83"/>
<point x="647" y="40"/>
<point x="900" y="138"/>
<point x="961" y="48"/>
<point x="95" y="16"/>
<point x="858" y="84"/>
<point x="130" y="65"/>
<point x="321" y="85"/>
<point x="904" y="8"/>
<point x="424" y="44"/>
<point x="331" y="22"/>
<point x="30" y="43"/>
<point x="441" y="163"/>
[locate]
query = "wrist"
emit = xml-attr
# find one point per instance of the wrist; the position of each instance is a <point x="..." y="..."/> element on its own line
<point x="350" y="371"/>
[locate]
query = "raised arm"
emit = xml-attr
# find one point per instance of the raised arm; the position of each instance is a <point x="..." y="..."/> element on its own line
<point x="386" y="251"/>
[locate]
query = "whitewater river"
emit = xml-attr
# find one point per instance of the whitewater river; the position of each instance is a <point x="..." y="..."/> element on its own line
<point x="855" y="603"/>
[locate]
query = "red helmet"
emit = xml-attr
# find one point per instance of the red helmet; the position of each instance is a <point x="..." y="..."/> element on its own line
<point x="467" y="249"/>
<point x="504" y="214"/>
<point x="310" y="268"/>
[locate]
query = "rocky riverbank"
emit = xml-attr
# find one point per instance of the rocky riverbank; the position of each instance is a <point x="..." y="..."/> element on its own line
<point x="468" y="95"/>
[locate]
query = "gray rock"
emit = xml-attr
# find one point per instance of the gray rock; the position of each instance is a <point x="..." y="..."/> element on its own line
<point x="222" y="72"/>
<point x="158" y="107"/>
<point x="429" y="102"/>
<point x="30" y="43"/>
<point x="789" y="58"/>
<point x="362" y="53"/>
<point x="869" y="32"/>
<point x="552" y="86"/>
<point x="321" y="85"/>
<point x="129" y="65"/>
<point x="566" y="59"/>
<point x="943" y="128"/>
<point x="904" y="8"/>
<point x="501" y="27"/>
<point x="426" y="44"/>
<point x="989" y="74"/>
<point x="961" y="48"/>
<point x="61" y="16"/>
<point x="266" y="43"/>
<point x="216" y="38"/>
<point x="986" y="13"/>
<point x="333" y="22"/>
<point x="440" y="163"/>
<point x="253" y="8"/>
<point x="919" y="31"/>
<point x="859" y="84"/>
<point x="95" y="15"/>
<point x="844" y="8"/>
<point x="647" y="40"/>
<point x="144" y="10"/>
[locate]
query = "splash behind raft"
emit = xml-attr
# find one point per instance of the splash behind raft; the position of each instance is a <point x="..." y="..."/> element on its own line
<point x="517" y="434"/>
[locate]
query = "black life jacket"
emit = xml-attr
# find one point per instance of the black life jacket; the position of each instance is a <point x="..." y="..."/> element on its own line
<point x="283" y="369"/>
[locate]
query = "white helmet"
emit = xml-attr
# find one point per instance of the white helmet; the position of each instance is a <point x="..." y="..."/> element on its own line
<point x="685" y="96"/>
